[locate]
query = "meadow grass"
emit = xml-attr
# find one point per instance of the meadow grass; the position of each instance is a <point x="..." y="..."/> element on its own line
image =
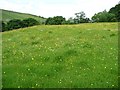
<point x="61" y="56"/>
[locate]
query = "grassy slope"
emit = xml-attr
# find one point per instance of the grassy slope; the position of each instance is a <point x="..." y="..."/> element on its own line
<point x="8" y="15"/>
<point x="61" y="56"/>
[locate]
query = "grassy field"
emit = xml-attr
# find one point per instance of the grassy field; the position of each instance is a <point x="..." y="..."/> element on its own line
<point x="70" y="56"/>
<point x="9" y="15"/>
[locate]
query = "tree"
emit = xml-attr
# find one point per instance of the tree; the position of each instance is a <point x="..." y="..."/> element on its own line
<point x="81" y="18"/>
<point x="70" y="21"/>
<point x="57" y="20"/>
<point x="104" y="17"/>
<point x="29" y="22"/>
<point x="116" y="10"/>
<point x="49" y="21"/>
<point x="14" y="24"/>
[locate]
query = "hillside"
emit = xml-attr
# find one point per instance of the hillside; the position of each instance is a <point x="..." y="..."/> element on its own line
<point x="61" y="56"/>
<point x="8" y="15"/>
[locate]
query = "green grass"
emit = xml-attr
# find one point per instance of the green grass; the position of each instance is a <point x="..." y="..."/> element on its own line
<point x="9" y="15"/>
<point x="71" y="56"/>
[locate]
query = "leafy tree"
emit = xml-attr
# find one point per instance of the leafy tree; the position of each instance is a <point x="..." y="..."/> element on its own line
<point x="116" y="10"/>
<point x="76" y="21"/>
<point x="87" y="20"/>
<point x="29" y="22"/>
<point x="57" y="20"/>
<point x="49" y="21"/>
<point x="104" y="17"/>
<point x="69" y="21"/>
<point x="65" y="22"/>
<point x="14" y="24"/>
<point x="81" y="18"/>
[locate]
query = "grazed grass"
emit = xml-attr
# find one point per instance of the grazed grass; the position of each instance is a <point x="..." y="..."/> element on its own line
<point x="72" y="56"/>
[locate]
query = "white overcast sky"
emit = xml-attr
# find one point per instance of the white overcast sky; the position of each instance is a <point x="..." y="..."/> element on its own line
<point x="65" y="8"/>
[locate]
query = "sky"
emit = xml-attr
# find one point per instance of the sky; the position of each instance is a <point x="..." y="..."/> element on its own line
<point x="65" y="8"/>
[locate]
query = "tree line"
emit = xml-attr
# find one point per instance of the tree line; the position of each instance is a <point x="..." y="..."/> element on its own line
<point x="113" y="15"/>
<point x="58" y="20"/>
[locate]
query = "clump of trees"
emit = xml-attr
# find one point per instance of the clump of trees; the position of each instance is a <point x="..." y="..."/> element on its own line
<point x="29" y="22"/>
<point x="104" y="17"/>
<point x="81" y="18"/>
<point x="57" y="20"/>
<point x="113" y="15"/>
<point x="116" y="11"/>
<point x="69" y="21"/>
<point x="16" y="24"/>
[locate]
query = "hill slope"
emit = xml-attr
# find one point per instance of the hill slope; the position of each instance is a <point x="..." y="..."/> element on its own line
<point x="8" y="15"/>
<point x="74" y="56"/>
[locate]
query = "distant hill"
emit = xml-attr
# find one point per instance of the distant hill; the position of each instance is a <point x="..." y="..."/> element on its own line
<point x="9" y="15"/>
